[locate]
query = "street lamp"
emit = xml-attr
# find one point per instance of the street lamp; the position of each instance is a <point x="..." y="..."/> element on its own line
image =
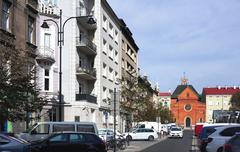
<point x="60" y="29"/>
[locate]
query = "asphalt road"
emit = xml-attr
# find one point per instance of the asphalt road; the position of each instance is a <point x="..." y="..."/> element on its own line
<point x="173" y="145"/>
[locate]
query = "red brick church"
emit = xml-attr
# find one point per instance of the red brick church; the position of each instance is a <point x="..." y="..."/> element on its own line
<point x="186" y="105"/>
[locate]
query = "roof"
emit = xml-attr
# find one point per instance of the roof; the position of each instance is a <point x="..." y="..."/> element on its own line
<point x="164" y="94"/>
<point x="181" y="88"/>
<point x="221" y="91"/>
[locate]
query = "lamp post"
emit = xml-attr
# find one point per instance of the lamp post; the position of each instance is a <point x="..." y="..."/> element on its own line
<point x="60" y="30"/>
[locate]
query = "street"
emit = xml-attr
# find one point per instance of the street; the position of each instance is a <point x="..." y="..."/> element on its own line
<point x="187" y="144"/>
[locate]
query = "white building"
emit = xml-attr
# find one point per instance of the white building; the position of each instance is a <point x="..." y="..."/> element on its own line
<point x="91" y="61"/>
<point x="47" y="59"/>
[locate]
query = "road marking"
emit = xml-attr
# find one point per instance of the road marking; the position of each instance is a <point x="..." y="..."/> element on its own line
<point x="194" y="146"/>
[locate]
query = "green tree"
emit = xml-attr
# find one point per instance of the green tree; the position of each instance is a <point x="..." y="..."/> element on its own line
<point x="235" y="101"/>
<point x="19" y="94"/>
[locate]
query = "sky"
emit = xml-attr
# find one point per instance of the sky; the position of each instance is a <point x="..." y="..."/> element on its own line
<point x="200" y="38"/>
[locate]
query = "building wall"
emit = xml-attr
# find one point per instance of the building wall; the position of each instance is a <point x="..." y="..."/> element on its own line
<point x="216" y="102"/>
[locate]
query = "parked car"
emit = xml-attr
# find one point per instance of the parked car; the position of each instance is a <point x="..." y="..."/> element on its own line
<point x="217" y="139"/>
<point x="233" y="144"/>
<point x="141" y="134"/>
<point x="107" y="134"/>
<point x="41" y="130"/>
<point x="12" y="144"/>
<point x="176" y="132"/>
<point x="207" y="130"/>
<point x="69" y="142"/>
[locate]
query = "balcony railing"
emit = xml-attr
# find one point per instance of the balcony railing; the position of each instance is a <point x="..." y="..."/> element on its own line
<point x="88" y="46"/>
<point x="46" y="54"/>
<point x="86" y="98"/>
<point x="83" y="17"/>
<point x="86" y="73"/>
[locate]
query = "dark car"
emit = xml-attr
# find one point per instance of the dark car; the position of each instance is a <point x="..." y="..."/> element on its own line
<point x="233" y="144"/>
<point x="12" y="144"/>
<point x="203" y="136"/>
<point x="69" y="142"/>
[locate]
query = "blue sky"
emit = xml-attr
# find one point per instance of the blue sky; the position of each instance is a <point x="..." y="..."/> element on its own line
<point x="198" y="37"/>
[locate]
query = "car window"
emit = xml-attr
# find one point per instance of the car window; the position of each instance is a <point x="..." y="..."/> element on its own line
<point x="76" y="138"/>
<point x="209" y="131"/>
<point x="85" y="128"/>
<point x="41" y="129"/>
<point x="142" y="126"/>
<point x="230" y="131"/>
<point x="3" y="140"/>
<point x="92" y="138"/>
<point x="59" y="138"/>
<point x="139" y="130"/>
<point x="63" y="127"/>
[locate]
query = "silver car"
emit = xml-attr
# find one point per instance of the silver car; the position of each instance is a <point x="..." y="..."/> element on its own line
<point x="12" y="144"/>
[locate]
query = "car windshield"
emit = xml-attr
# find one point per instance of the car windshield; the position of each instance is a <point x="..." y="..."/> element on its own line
<point x="176" y="129"/>
<point x="30" y="128"/>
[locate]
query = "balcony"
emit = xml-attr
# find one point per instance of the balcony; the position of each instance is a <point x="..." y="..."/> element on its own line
<point x="86" y="98"/>
<point x="86" y="45"/>
<point x="83" y="15"/>
<point x="45" y="55"/>
<point x="32" y="5"/>
<point x="86" y="73"/>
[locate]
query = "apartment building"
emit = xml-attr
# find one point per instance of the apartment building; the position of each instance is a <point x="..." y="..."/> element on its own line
<point x="217" y="98"/>
<point x="18" y="31"/>
<point x="129" y="67"/>
<point x="47" y="60"/>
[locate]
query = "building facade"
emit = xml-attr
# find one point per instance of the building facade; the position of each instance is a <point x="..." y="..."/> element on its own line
<point x="129" y="68"/>
<point x="217" y="98"/>
<point x="47" y="60"/>
<point x="186" y="106"/>
<point x="18" y="32"/>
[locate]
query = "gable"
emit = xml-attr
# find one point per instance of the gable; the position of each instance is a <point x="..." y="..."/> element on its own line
<point x="188" y="93"/>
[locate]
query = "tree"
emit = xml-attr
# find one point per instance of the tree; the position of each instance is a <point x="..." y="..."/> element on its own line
<point x="19" y="94"/>
<point x="235" y="101"/>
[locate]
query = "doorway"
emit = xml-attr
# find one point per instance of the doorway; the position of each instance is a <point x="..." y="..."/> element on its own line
<point x="188" y="122"/>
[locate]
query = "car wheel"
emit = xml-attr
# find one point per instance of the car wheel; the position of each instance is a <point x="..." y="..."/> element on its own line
<point x="129" y="138"/>
<point x="150" y="138"/>
<point x="220" y="149"/>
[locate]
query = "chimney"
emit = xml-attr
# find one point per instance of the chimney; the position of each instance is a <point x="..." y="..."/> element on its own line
<point x="234" y="87"/>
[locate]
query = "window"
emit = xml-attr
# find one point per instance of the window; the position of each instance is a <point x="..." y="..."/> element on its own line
<point x="77" y="118"/>
<point x="116" y="77"/>
<point x="116" y="56"/>
<point x="76" y="138"/>
<point x="116" y="36"/>
<point x="5" y="15"/>
<point x="104" y="70"/>
<point x="111" y="30"/>
<point x="63" y="127"/>
<point x="230" y="131"/>
<point x="111" y="74"/>
<point x="46" y="79"/>
<point x="110" y="52"/>
<point x="104" y="93"/>
<point x="59" y="138"/>
<point x="41" y="129"/>
<point x="80" y="88"/>
<point x="47" y="40"/>
<point x="110" y="93"/>
<point x="123" y="64"/>
<point x="92" y="138"/>
<point x="85" y="128"/>
<point x="30" y="29"/>
<point x="104" y="23"/>
<point x="104" y="46"/>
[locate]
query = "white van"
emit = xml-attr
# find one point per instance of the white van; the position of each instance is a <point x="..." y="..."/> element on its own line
<point x="150" y="124"/>
<point x="42" y="129"/>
